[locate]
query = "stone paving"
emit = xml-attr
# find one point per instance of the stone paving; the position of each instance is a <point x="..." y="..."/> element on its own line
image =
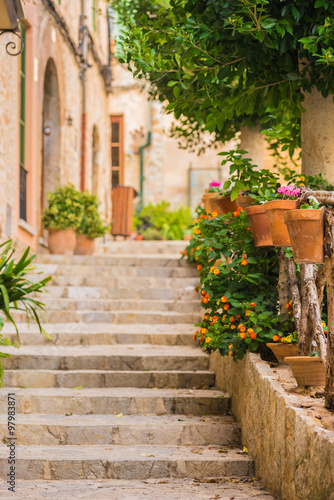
<point x="121" y="404"/>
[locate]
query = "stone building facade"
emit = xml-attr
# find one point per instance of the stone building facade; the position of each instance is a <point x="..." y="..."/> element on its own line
<point x="71" y="113"/>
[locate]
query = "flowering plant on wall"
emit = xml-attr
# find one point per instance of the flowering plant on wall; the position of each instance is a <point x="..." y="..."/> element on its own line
<point x="214" y="187"/>
<point x="65" y="209"/>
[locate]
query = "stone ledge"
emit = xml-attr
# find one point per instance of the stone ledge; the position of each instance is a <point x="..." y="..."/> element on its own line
<point x="293" y="452"/>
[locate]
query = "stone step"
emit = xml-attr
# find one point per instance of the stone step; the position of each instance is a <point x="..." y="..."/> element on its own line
<point x="129" y="401"/>
<point x="121" y="282"/>
<point x="144" y="247"/>
<point x="117" y="317"/>
<point x="102" y="334"/>
<point x="105" y="357"/>
<point x="116" y="271"/>
<point x="56" y="304"/>
<point x="119" y="259"/>
<point x="108" y="378"/>
<point x="110" y="292"/>
<point x="132" y="430"/>
<point x="125" y="462"/>
<point x="150" y="489"/>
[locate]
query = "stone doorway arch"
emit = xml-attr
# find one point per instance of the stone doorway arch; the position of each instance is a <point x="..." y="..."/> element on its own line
<point x="50" y="131"/>
<point x="96" y="160"/>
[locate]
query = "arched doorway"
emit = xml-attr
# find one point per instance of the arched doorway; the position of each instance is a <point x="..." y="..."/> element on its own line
<point x="50" y="131"/>
<point x="96" y="160"/>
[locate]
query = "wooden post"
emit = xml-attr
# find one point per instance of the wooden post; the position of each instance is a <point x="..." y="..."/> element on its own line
<point x="329" y="240"/>
<point x="296" y="302"/>
<point x="283" y="286"/>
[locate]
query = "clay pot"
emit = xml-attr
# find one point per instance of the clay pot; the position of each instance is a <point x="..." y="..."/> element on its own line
<point x="62" y="242"/>
<point x="139" y="237"/>
<point x="222" y="204"/>
<point x="245" y="201"/>
<point x="282" y="351"/>
<point x="307" y="370"/>
<point x="275" y="211"/>
<point x="306" y="231"/>
<point x="259" y="225"/>
<point x="85" y="245"/>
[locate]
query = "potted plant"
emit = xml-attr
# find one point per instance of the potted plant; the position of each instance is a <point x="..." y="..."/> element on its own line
<point x="91" y="226"/>
<point x="62" y="217"/>
<point x="259" y="225"/>
<point x="286" y="199"/>
<point x="214" y="199"/>
<point x="307" y="370"/>
<point x="306" y="232"/>
<point x="283" y="346"/>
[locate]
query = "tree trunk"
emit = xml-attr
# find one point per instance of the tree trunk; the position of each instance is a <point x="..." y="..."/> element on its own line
<point x="305" y="334"/>
<point x="329" y="240"/>
<point x="296" y="304"/>
<point x="283" y="286"/>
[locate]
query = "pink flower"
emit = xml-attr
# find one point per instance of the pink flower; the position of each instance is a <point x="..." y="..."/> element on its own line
<point x="215" y="184"/>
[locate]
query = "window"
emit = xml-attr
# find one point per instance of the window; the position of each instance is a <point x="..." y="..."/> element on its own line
<point x="22" y="127"/>
<point x="116" y="151"/>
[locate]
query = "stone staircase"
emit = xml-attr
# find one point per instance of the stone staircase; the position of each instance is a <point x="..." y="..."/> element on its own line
<point x="120" y="404"/>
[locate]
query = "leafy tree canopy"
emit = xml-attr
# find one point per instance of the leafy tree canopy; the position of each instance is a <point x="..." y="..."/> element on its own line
<point x="222" y="64"/>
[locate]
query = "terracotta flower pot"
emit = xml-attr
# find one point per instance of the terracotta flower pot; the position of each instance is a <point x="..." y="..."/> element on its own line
<point x="259" y="225"/>
<point x="85" y="245"/>
<point x="139" y="237"/>
<point x="275" y="212"/>
<point x="307" y="370"/>
<point x="62" y="242"/>
<point x="282" y="351"/>
<point x="306" y="231"/>
<point x="245" y="201"/>
<point x="222" y="204"/>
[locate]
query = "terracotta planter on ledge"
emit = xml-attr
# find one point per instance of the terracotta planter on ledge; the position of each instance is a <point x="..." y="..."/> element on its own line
<point x="84" y="245"/>
<point x="259" y="225"/>
<point x="282" y="351"/>
<point x="306" y="231"/>
<point x="222" y="204"/>
<point x="62" y="242"/>
<point x="245" y="201"/>
<point x="307" y="370"/>
<point x="275" y="211"/>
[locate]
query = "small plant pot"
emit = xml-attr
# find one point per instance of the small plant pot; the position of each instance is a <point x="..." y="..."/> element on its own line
<point x="259" y="225"/>
<point x="139" y="237"/>
<point x="84" y="245"/>
<point x="62" y="242"/>
<point x="306" y="231"/>
<point x="222" y="204"/>
<point x="207" y="197"/>
<point x="275" y="211"/>
<point x="307" y="370"/>
<point x="282" y="351"/>
<point x="245" y="201"/>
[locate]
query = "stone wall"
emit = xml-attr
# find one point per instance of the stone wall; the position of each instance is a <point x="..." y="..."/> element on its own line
<point x="294" y="455"/>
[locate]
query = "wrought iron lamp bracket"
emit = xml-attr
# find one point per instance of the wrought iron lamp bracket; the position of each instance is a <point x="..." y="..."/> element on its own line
<point x="12" y="46"/>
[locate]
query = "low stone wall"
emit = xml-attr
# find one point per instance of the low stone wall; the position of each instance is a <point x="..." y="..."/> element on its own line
<point x="293" y="453"/>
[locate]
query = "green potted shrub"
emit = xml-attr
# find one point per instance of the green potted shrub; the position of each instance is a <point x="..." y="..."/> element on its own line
<point x="62" y="217"/>
<point x="91" y="226"/>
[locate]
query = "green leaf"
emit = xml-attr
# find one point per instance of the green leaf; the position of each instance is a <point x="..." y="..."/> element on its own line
<point x="292" y="76"/>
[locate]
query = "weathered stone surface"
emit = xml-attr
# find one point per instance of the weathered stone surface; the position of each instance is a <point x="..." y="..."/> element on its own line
<point x="151" y="489"/>
<point x="119" y="260"/>
<point x="294" y="455"/>
<point x="129" y="430"/>
<point x="107" y="378"/>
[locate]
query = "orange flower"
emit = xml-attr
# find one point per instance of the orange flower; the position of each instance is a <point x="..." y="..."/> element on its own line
<point x="253" y="335"/>
<point x="199" y="267"/>
<point x="288" y="306"/>
<point x="207" y="296"/>
<point x="223" y="299"/>
<point x="204" y="300"/>
<point x="250" y="330"/>
<point x="195" y="336"/>
<point x="207" y="340"/>
<point x="198" y="231"/>
<point x="206" y="317"/>
<point x="202" y="339"/>
<point x="242" y="329"/>
<point x="238" y="316"/>
<point x="232" y="327"/>
<point x="242" y="335"/>
<point x="248" y="228"/>
<point x="275" y="338"/>
<point x="240" y="209"/>
<point x="282" y="339"/>
<point x="230" y="346"/>
<point x="244" y="262"/>
<point x="210" y="248"/>
<point x="236" y="214"/>
<point x="253" y="304"/>
<point x="204" y="216"/>
<point x="226" y="307"/>
<point x="203" y="292"/>
<point x="196" y="289"/>
<point x="230" y="353"/>
<point x="215" y="213"/>
<point x="245" y="256"/>
<point x="216" y="272"/>
<point x="215" y="318"/>
<point x="203" y="331"/>
<point x="232" y="319"/>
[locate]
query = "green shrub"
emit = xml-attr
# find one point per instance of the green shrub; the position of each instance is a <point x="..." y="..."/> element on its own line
<point x="65" y="208"/>
<point x="91" y="224"/>
<point x="172" y="224"/>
